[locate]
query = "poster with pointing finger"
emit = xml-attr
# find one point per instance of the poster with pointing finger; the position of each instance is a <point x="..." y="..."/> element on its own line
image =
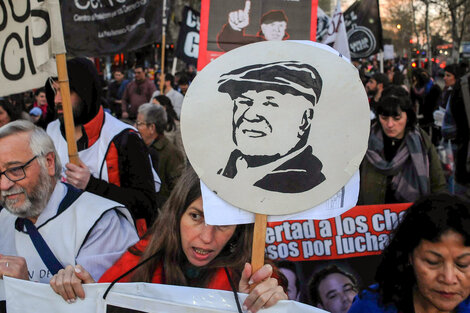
<point x="226" y="25"/>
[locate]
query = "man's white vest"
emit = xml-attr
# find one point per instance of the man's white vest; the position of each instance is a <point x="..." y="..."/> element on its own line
<point x="95" y="156"/>
<point x="65" y="233"/>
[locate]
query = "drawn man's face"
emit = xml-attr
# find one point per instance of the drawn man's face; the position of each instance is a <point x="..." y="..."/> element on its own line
<point x="274" y="30"/>
<point x="269" y="123"/>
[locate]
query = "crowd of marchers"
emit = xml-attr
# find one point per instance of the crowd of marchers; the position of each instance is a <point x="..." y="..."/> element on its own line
<point x="144" y="215"/>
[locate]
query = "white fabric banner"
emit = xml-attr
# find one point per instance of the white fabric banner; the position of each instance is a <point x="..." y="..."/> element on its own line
<point x="28" y="37"/>
<point x="336" y="36"/>
<point x="29" y="297"/>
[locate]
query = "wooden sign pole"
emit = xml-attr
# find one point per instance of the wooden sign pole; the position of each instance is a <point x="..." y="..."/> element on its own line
<point x="162" y="62"/>
<point x="259" y="242"/>
<point x="67" y="107"/>
<point x="162" y="68"/>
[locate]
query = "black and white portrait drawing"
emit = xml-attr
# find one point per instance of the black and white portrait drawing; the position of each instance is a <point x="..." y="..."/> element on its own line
<point x="273" y="109"/>
<point x="276" y="127"/>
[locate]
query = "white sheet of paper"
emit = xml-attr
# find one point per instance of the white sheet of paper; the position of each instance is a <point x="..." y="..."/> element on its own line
<point x="219" y="212"/>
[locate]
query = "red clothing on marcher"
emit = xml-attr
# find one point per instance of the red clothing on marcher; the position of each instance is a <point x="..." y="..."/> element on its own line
<point x="129" y="260"/>
<point x="43" y="109"/>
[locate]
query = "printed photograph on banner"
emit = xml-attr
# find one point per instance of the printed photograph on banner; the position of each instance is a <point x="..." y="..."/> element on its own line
<point x="346" y="277"/>
<point x="339" y="254"/>
<point x="231" y="24"/>
<point x="282" y="138"/>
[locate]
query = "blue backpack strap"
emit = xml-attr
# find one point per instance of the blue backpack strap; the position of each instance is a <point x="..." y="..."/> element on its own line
<point x="53" y="265"/>
<point x="70" y="197"/>
<point x="47" y="256"/>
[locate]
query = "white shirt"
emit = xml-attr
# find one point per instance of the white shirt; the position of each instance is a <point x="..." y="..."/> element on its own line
<point x="107" y="241"/>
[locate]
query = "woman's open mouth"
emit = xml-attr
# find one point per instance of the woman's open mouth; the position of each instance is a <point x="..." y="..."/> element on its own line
<point x="202" y="251"/>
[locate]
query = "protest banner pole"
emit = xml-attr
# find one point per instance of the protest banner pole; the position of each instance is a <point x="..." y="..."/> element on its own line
<point x="67" y="107"/>
<point x="259" y="242"/>
<point x="162" y="67"/>
<point x="162" y="62"/>
<point x="58" y="49"/>
<point x="381" y="59"/>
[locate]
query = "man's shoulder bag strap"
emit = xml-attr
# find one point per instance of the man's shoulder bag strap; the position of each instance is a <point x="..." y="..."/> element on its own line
<point x="47" y="256"/>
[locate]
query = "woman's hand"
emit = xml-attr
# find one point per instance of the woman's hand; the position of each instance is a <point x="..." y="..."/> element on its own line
<point x="267" y="291"/>
<point x="68" y="282"/>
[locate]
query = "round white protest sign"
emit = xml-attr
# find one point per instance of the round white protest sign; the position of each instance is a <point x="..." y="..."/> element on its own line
<point x="276" y="127"/>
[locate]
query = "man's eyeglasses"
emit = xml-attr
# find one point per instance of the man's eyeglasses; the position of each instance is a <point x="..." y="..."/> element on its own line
<point x="138" y="124"/>
<point x="17" y="173"/>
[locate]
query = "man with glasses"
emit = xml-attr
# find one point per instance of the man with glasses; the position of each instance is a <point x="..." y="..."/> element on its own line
<point x="46" y="225"/>
<point x="137" y="92"/>
<point x="167" y="159"/>
<point x="115" y="163"/>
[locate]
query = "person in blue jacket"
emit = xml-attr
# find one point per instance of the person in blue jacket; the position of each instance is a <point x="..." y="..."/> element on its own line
<point x="426" y="266"/>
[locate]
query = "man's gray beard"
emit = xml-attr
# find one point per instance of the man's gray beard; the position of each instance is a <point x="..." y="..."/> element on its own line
<point x="35" y="202"/>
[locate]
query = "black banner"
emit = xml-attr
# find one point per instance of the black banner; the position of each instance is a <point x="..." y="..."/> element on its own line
<point x="187" y="47"/>
<point x="364" y="28"/>
<point x="94" y="28"/>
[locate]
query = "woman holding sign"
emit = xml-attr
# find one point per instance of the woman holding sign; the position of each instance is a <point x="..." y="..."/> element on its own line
<point x="181" y="249"/>
<point x="426" y="266"/>
<point x="401" y="163"/>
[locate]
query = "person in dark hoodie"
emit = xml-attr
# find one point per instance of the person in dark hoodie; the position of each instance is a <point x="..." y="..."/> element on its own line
<point x="114" y="161"/>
